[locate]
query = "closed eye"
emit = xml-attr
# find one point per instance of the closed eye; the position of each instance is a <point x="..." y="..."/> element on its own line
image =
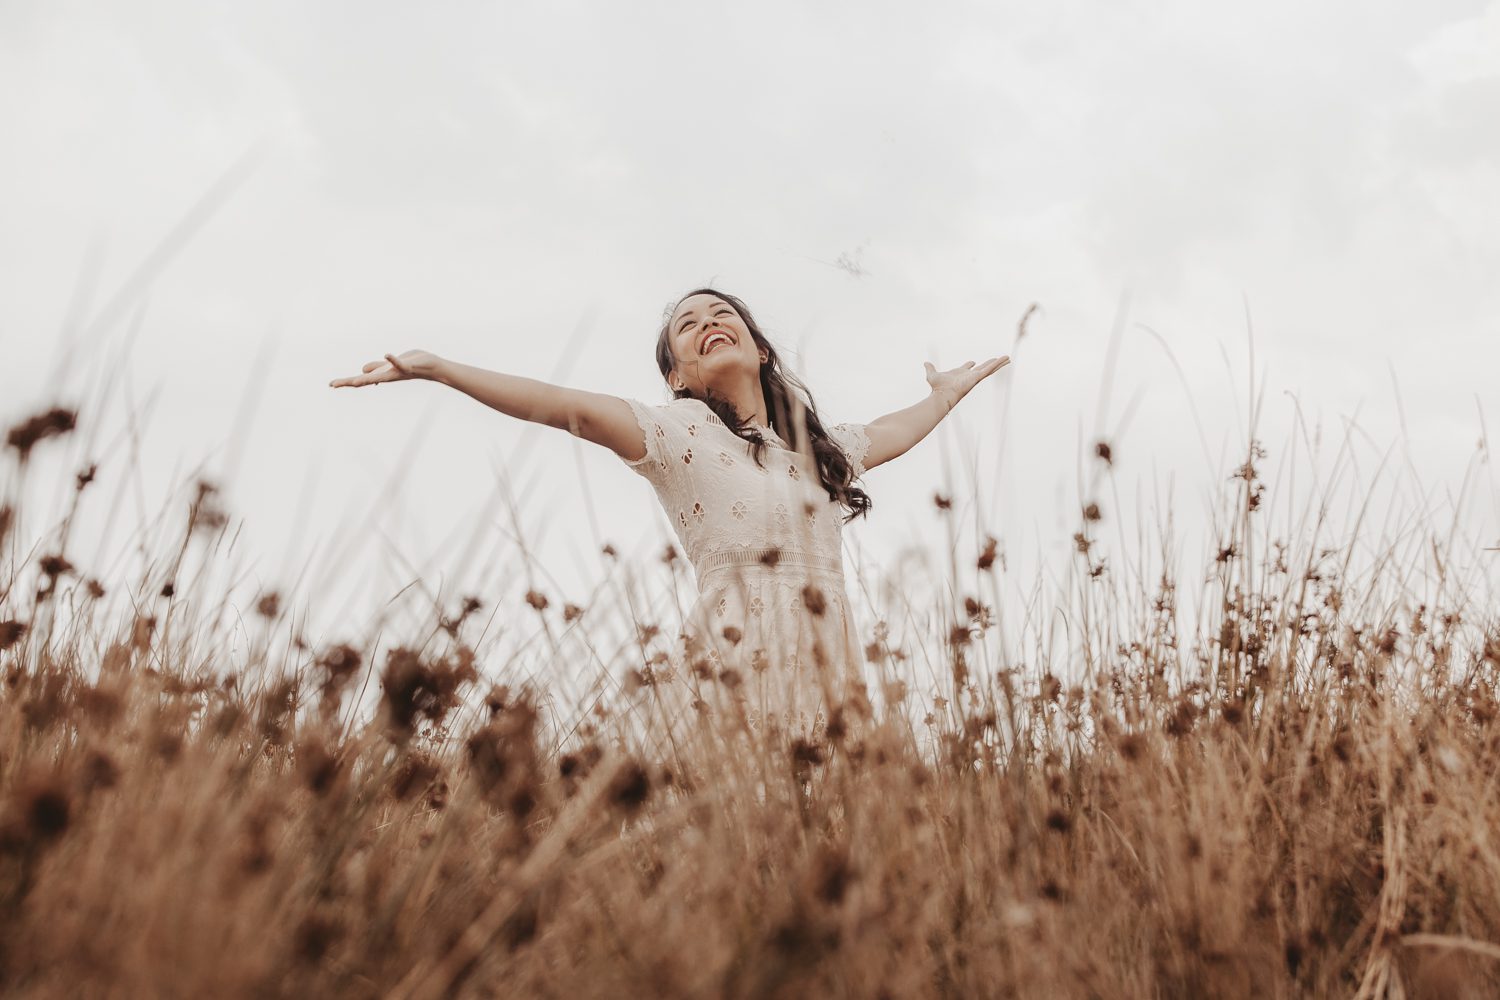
<point x="685" y="322"/>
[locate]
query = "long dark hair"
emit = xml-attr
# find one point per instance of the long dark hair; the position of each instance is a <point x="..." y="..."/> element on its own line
<point x="792" y="411"/>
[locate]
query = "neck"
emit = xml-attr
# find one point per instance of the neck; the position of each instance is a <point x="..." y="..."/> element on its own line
<point x="747" y="397"/>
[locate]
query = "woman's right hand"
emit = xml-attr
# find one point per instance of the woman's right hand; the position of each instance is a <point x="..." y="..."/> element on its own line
<point x="410" y="364"/>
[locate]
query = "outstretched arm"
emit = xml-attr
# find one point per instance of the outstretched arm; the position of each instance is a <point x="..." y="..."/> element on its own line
<point x="594" y="416"/>
<point x="894" y="434"/>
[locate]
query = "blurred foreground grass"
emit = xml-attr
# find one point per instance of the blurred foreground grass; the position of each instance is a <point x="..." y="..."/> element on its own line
<point x="1296" y="798"/>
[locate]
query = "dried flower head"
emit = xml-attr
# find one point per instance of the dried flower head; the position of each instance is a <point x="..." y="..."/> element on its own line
<point x="54" y="565"/>
<point x="629" y="787"/>
<point x="10" y="633"/>
<point x="25" y="435"/>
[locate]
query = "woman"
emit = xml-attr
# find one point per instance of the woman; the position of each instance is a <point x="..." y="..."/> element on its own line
<point x="755" y="485"/>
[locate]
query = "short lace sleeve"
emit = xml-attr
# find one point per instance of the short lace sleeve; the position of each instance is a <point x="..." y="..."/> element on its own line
<point x="855" y="442"/>
<point x="669" y="437"/>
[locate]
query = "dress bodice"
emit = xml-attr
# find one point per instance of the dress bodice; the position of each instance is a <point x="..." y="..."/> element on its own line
<point x="724" y="507"/>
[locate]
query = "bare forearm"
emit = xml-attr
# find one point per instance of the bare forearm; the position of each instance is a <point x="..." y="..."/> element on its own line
<point x="514" y="395"/>
<point x="898" y="432"/>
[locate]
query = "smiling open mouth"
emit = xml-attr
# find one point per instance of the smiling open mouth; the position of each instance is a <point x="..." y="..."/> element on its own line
<point x="714" y="340"/>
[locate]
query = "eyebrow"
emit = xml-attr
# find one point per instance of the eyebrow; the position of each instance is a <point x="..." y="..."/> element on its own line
<point x="689" y="313"/>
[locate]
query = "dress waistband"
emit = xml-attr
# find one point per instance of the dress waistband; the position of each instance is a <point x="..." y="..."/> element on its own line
<point x="725" y="558"/>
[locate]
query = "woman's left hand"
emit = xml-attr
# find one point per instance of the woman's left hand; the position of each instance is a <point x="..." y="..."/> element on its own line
<point x="955" y="384"/>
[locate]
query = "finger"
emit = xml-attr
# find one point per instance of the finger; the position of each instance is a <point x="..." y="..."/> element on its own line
<point x="372" y="366"/>
<point x="968" y="364"/>
<point x="394" y="363"/>
<point x="930" y="370"/>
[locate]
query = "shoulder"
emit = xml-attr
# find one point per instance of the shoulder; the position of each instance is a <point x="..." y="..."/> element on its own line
<point x="687" y="411"/>
<point x="676" y="419"/>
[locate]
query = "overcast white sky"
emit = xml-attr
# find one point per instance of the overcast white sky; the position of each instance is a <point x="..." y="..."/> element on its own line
<point x="499" y="182"/>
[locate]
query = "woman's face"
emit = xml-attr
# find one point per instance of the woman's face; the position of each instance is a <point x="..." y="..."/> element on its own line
<point x="711" y="344"/>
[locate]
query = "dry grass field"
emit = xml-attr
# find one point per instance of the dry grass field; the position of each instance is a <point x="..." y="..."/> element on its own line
<point x="1294" y="797"/>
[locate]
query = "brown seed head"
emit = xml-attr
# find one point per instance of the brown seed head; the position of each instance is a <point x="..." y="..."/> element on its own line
<point x="804" y="756"/>
<point x="10" y="633"/>
<point x="40" y="809"/>
<point x="25" y="435"/>
<point x="55" y="565"/>
<point x="629" y="787"/>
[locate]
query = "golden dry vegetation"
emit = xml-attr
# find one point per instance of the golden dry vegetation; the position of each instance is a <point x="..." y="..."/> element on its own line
<point x="1296" y="798"/>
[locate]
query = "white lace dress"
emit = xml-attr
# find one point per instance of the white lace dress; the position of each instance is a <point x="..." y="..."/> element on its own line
<point x="773" y="615"/>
